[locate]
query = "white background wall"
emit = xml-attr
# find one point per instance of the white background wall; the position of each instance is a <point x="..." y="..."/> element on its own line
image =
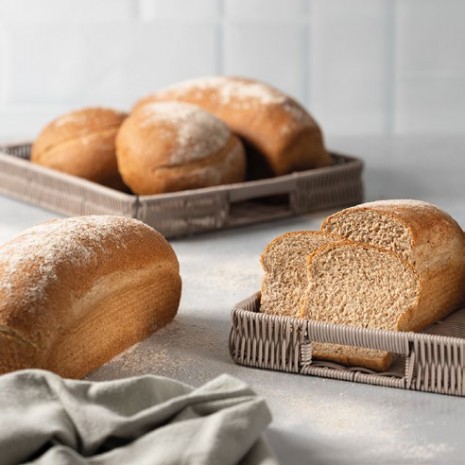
<point x="361" y="66"/>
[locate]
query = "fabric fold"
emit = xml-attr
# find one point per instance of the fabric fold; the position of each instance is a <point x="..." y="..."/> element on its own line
<point x="145" y="420"/>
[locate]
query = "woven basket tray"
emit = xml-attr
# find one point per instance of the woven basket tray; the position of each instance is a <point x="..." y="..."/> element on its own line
<point x="432" y="361"/>
<point x="187" y="212"/>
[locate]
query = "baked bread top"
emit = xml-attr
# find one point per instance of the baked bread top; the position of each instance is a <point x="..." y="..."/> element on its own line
<point x="418" y="231"/>
<point x="172" y="146"/>
<point x="281" y="136"/>
<point x="75" y="292"/>
<point x="82" y="143"/>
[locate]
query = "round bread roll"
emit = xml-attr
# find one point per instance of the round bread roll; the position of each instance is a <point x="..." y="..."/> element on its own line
<point x="82" y="143"/>
<point x="76" y="292"/>
<point x="172" y="146"/>
<point x="280" y="136"/>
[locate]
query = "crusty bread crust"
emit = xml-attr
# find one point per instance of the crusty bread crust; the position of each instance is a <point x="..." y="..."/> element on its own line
<point x="76" y="292"/>
<point x="282" y="136"/>
<point x="82" y="143"/>
<point x="177" y="146"/>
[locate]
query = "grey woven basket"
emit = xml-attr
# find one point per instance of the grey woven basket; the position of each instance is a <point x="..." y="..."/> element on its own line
<point x="432" y="361"/>
<point x="187" y="212"/>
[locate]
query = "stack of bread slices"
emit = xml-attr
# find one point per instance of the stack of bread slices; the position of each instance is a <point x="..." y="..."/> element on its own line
<point x="394" y="264"/>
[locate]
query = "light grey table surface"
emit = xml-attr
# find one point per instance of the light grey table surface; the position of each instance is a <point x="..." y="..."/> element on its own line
<point x="316" y="421"/>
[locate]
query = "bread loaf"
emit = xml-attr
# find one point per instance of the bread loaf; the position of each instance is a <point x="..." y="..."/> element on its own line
<point x="284" y="262"/>
<point x="280" y="135"/>
<point x="76" y="292"/>
<point x="427" y="237"/>
<point x="404" y="271"/>
<point x="172" y="146"/>
<point x="396" y="265"/>
<point x="82" y="143"/>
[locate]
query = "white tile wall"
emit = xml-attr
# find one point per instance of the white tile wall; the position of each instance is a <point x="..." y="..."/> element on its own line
<point x="273" y="52"/>
<point x="361" y="66"/>
<point x="430" y="65"/>
<point x="349" y="75"/>
<point x="67" y="10"/>
<point x="265" y="10"/>
<point x="179" y="9"/>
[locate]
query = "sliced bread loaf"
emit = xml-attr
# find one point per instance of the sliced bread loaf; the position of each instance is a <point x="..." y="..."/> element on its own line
<point x="361" y="285"/>
<point x="284" y="261"/>
<point x="425" y="236"/>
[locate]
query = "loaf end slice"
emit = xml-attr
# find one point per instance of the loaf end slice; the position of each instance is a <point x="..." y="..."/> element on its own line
<point x="284" y="263"/>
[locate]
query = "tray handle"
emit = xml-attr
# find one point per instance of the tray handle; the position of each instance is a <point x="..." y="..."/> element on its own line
<point x="263" y="188"/>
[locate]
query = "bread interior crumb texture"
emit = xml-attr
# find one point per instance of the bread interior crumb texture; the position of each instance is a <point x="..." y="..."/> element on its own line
<point x="284" y="262"/>
<point x="360" y="286"/>
<point x="374" y="228"/>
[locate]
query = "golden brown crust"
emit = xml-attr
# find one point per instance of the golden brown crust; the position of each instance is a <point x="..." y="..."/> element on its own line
<point x="434" y="246"/>
<point x="82" y="143"/>
<point x="172" y="146"/>
<point x="75" y="292"/>
<point x="281" y="134"/>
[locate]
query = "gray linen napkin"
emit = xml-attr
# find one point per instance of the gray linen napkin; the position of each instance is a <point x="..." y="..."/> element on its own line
<point x="45" y="419"/>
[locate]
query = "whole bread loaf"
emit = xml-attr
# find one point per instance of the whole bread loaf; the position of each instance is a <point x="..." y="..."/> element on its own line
<point x="76" y="292"/>
<point x="173" y="146"/>
<point x="280" y="135"/>
<point x="82" y="143"/>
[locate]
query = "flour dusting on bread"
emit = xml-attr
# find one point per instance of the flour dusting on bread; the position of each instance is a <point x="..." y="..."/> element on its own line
<point x="196" y="133"/>
<point x="244" y="93"/>
<point x="41" y="249"/>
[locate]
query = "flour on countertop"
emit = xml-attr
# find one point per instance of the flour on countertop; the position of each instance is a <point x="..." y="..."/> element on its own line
<point x="342" y="420"/>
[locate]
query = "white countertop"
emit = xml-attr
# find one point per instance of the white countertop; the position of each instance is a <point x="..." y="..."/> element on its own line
<point x="316" y="421"/>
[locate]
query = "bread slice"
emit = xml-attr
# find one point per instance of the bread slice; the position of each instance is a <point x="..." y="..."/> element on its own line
<point x="284" y="262"/>
<point x="425" y="236"/>
<point x="360" y="285"/>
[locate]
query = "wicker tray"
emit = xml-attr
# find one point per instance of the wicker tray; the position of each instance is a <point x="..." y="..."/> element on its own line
<point x="186" y="212"/>
<point x="432" y="361"/>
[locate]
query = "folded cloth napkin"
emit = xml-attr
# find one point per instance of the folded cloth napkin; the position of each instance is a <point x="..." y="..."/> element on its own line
<point x="45" y="419"/>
